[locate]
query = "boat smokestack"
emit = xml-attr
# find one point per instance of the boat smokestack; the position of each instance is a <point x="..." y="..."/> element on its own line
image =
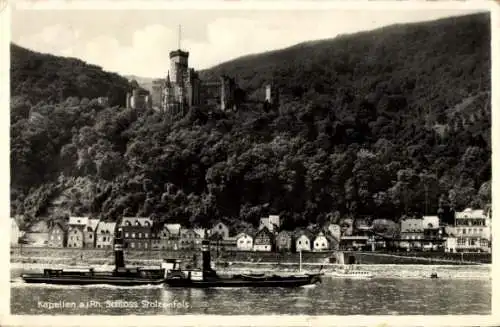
<point x="118" y="247"/>
<point x="205" y="251"/>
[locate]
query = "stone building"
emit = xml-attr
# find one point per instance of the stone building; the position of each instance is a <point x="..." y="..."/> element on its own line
<point x="183" y="89"/>
<point x="57" y="235"/>
<point x="105" y="235"/>
<point x="76" y="231"/>
<point x="139" y="99"/>
<point x="137" y="232"/>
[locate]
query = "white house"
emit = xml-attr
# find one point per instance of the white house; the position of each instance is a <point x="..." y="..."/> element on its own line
<point x="321" y="242"/>
<point x="303" y="242"/>
<point x="430" y="222"/>
<point x="451" y="244"/>
<point x="272" y="223"/>
<point x="244" y="242"/>
<point x="473" y="230"/>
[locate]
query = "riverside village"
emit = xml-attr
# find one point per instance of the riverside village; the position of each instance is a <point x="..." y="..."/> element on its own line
<point x="447" y="232"/>
<point x="354" y="170"/>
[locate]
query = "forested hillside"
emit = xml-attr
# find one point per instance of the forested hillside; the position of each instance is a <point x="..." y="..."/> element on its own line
<point x="51" y="79"/>
<point x="379" y="124"/>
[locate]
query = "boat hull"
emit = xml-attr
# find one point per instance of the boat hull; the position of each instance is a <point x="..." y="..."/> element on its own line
<point x="352" y="276"/>
<point x="109" y="280"/>
<point x="242" y="282"/>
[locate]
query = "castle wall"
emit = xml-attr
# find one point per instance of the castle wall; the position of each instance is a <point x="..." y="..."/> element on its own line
<point x="156" y="94"/>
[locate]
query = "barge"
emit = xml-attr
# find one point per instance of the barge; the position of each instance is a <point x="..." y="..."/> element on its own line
<point x="120" y="276"/>
<point x="207" y="277"/>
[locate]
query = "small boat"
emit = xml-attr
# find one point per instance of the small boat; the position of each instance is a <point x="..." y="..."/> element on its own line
<point x="207" y="277"/>
<point x="120" y="276"/>
<point x="346" y="272"/>
<point x="434" y="275"/>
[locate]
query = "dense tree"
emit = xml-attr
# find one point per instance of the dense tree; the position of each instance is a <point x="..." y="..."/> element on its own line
<point x="376" y="125"/>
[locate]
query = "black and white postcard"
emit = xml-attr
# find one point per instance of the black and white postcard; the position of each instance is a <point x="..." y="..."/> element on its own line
<point x="249" y="163"/>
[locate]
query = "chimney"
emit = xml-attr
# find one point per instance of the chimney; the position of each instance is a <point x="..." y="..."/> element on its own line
<point x="205" y="250"/>
<point x="119" y="259"/>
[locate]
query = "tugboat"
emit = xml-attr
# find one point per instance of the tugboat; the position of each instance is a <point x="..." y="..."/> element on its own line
<point x="207" y="277"/>
<point x="120" y="276"/>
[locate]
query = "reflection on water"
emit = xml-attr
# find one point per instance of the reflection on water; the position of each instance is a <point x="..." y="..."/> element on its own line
<point x="378" y="296"/>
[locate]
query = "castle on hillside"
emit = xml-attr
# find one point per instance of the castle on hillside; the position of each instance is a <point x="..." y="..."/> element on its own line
<point x="182" y="89"/>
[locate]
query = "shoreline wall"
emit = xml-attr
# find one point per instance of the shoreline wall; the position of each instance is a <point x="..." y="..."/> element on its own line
<point x="100" y="256"/>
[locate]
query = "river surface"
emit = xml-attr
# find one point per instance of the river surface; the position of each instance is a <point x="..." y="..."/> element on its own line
<point x="464" y="290"/>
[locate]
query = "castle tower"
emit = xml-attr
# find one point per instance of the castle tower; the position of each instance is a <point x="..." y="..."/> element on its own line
<point x="272" y="95"/>
<point x="127" y="100"/>
<point x="156" y="94"/>
<point x="134" y="101"/>
<point x="178" y="65"/>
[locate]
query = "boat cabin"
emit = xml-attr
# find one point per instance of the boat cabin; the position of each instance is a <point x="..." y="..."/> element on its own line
<point x="69" y="272"/>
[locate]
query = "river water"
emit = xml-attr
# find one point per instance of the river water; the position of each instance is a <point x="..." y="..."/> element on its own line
<point x="461" y="290"/>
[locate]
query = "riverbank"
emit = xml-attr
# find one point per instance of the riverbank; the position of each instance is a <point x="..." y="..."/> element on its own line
<point x="73" y="256"/>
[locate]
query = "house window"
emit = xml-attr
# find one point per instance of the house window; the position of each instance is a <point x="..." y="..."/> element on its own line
<point x="146" y="235"/>
<point x="133" y="235"/>
<point x="248" y="242"/>
<point x="90" y="236"/>
<point x="59" y="238"/>
<point x="126" y="234"/>
<point x="140" y="235"/>
<point x="132" y="245"/>
<point x="145" y="245"/>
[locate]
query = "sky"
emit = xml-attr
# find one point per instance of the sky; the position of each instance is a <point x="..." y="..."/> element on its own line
<point x="137" y="42"/>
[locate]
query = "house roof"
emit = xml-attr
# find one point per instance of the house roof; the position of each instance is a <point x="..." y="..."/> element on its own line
<point x="133" y="221"/>
<point x="217" y="223"/>
<point x="184" y="230"/>
<point x="247" y="230"/>
<point x="78" y="221"/>
<point x="173" y="229"/>
<point x="60" y="224"/>
<point x="93" y="223"/>
<point x="264" y="230"/>
<point x="286" y="233"/>
<point x="241" y="235"/>
<point x="106" y="227"/>
<point x="470" y="213"/>
<point x="200" y="232"/>
<point x="298" y="233"/>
